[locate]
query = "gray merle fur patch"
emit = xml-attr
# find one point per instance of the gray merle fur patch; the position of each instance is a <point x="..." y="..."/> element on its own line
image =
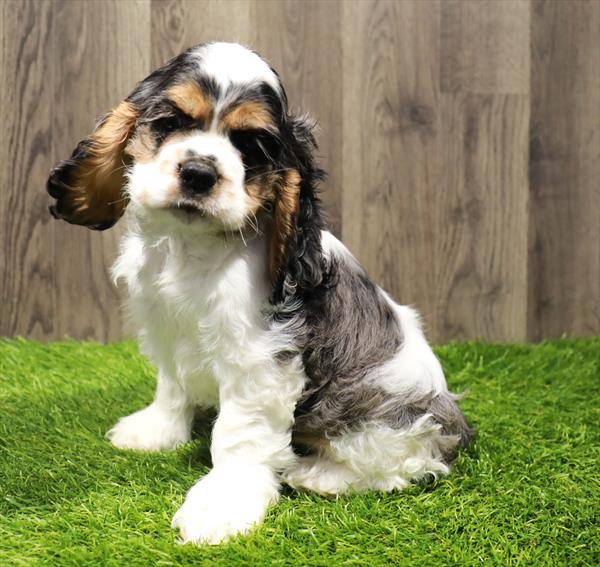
<point x="349" y="329"/>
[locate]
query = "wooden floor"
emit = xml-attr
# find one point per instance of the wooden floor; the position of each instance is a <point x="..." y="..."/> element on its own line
<point x="462" y="140"/>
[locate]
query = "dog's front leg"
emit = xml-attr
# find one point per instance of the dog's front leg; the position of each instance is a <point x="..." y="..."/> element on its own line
<point x="164" y="424"/>
<point x="250" y="446"/>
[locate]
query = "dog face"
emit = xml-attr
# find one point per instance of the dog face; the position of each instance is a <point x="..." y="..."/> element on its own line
<point x="205" y="152"/>
<point x="206" y="140"/>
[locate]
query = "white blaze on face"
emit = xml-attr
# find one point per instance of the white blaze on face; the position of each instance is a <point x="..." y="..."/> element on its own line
<point x="233" y="64"/>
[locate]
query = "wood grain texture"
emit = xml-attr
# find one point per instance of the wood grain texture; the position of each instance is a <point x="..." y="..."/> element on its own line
<point x="481" y="221"/>
<point x="481" y="241"/>
<point x="303" y="41"/>
<point x="485" y="46"/>
<point x="101" y="52"/>
<point x="26" y="232"/>
<point x="564" y="253"/>
<point x="391" y="145"/>
<point x="179" y="24"/>
<point x="462" y="140"/>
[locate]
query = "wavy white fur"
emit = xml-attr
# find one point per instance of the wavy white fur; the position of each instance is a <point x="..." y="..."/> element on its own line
<point x="197" y="303"/>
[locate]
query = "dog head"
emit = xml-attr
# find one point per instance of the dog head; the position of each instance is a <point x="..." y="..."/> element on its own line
<point x="206" y="140"/>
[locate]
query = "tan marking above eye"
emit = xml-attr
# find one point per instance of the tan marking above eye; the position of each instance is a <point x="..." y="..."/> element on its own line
<point x="191" y="100"/>
<point x="251" y="114"/>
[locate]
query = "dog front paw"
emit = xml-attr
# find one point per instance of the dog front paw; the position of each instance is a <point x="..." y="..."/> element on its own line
<point x="227" y="502"/>
<point x="151" y="430"/>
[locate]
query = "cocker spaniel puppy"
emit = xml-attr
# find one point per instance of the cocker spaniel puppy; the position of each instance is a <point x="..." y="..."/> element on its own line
<point x="245" y="303"/>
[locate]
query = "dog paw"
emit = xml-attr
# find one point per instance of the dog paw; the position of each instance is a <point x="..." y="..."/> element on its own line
<point x="150" y="430"/>
<point x="321" y="475"/>
<point x="227" y="502"/>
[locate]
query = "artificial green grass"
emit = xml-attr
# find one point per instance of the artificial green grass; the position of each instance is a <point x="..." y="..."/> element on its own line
<point x="526" y="492"/>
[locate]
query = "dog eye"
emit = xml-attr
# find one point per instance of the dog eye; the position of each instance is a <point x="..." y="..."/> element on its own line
<point x="167" y="124"/>
<point x="258" y="147"/>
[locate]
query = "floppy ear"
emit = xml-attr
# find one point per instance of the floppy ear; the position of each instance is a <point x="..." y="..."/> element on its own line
<point x="285" y="213"/>
<point x="295" y="255"/>
<point x="88" y="186"/>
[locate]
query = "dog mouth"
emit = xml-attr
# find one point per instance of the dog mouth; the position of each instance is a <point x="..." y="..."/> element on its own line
<point x="188" y="212"/>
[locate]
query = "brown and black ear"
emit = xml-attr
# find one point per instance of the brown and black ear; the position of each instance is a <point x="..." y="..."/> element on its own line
<point x="285" y="213"/>
<point x="88" y="187"/>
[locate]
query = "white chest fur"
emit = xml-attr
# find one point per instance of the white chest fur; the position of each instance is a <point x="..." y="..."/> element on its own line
<point x="196" y="304"/>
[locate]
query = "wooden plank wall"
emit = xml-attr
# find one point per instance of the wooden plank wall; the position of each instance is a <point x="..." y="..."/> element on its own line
<point x="462" y="140"/>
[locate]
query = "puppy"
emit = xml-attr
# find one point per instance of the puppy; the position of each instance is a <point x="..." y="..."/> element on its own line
<point x="245" y="303"/>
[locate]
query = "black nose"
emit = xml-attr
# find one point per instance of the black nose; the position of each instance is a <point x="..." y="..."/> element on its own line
<point x="197" y="177"/>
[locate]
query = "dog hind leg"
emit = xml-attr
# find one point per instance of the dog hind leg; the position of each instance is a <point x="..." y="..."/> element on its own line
<point x="374" y="457"/>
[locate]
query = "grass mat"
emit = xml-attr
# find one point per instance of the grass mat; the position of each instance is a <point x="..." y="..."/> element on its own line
<point x="526" y="492"/>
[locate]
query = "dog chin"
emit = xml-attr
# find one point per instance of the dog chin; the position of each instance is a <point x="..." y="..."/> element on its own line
<point x="192" y="220"/>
